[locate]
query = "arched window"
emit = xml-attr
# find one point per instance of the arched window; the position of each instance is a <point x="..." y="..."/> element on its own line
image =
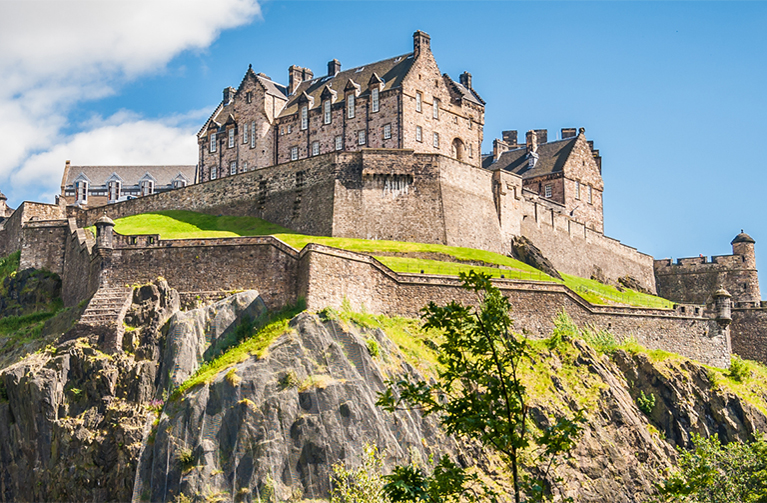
<point x="457" y="149"/>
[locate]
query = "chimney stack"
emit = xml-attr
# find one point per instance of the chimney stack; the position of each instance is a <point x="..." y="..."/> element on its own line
<point x="228" y="95"/>
<point x="466" y="80"/>
<point x="532" y="141"/>
<point x="541" y="135"/>
<point x="499" y="147"/>
<point x="296" y="75"/>
<point x="568" y="132"/>
<point x="421" y="41"/>
<point x="510" y="138"/>
<point x="334" y="67"/>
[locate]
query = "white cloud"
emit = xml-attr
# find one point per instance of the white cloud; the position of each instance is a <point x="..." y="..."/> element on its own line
<point x="60" y="52"/>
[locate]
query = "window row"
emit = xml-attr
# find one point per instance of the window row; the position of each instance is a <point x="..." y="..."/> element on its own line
<point x="248" y="136"/>
<point x="338" y="142"/>
<point x="232" y="169"/>
<point x="589" y="192"/>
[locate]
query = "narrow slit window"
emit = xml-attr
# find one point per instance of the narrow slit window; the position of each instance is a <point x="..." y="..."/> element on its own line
<point x="418" y="101"/>
<point x="245" y="134"/>
<point x="418" y="133"/>
<point x="253" y="134"/>
<point x="435" y="108"/>
<point x="436" y="140"/>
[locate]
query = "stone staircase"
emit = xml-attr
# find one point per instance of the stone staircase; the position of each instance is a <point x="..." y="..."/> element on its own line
<point x="107" y="307"/>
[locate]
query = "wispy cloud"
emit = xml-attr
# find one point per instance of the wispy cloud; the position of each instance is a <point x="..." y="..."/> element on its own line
<point x="58" y="53"/>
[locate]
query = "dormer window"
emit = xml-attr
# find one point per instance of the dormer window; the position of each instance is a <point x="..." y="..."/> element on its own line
<point x="147" y="187"/>
<point x="374" y="99"/>
<point x="231" y="137"/>
<point x="435" y="108"/>
<point x="212" y="142"/>
<point x="113" y="191"/>
<point x="418" y="101"/>
<point x="179" y="183"/>
<point x="304" y="118"/>
<point x="326" y="112"/>
<point x="350" y="106"/>
<point x="81" y="191"/>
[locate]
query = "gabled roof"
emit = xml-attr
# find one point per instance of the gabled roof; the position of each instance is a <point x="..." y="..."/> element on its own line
<point x="466" y="93"/>
<point x="552" y="157"/>
<point x="392" y="71"/>
<point x="130" y="175"/>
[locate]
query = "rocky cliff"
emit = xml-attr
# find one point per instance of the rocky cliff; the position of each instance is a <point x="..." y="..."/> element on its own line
<point x="268" y="412"/>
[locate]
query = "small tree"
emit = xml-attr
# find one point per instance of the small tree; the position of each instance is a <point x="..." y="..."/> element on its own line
<point x="361" y="485"/>
<point x="478" y="392"/>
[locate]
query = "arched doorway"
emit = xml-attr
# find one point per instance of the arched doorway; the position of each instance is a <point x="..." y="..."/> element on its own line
<point x="458" y="149"/>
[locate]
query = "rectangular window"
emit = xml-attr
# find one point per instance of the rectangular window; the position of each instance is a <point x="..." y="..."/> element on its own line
<point x="418" y="133"/>
<point x="418" y="101"/>
<point x="361" y="137"/>
<point x="82" y="192"/>
<point x="213" y="142"/>
<point x="248" y="97"/>
<point x="253" y="134"/>
<point x="591" y="201"/>
<point x="213" y="172"/>
<point x="339" y="142"/>
<point x="326" y="112"/>
<point x="471" y="151"/>
<point x="233" y="168"/>
<point x="577" y="190"/>
<point x="304" y="118"/>
<point x="436" y="140"/>
<point x="147" y="187"/>
<point x="547" y="191"/>
<point x="374" y="100"/>
<point x="244" y="166"/>
<point x="387" y="131"/>
<point x="231" y="137"/>
<point x="245" y="134"/>
<point x="435" y="108"/>
<point x="471" y="123"/>
<point x="293" y="153"/>
<point x="316" y="148"/>
<point x="290" y="128"/>
<point x="350" y="106"/>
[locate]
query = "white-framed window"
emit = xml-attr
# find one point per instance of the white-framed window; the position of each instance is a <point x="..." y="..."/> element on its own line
<point x="81" y="191"/>
<point x="326" y="112"/>
<point x="435" y="108"/>
<point x="113" y="190"/>
<point x="361" y="137"/>
<point x="213" y="142"/>
<point x="304" y="118"/>
<point x="233" y="168"/>
<point x="436" y="140"/>
<point x="418" y="133"/>
<point x="315" y="148"/>
<point x="418" y="101"/>
<point x="577" y="190"/>
<point x="231" y="137"/>
<point x="177" y="184"/>
<point x="245" y="133"/>
<point x="591" y="200"/>
<point x="244" y="166"/>
<point x="339" y="142"/>
<point x="350" y="106"/>
<point x="387" y="131"/>
<point x="253" y="134"/>
<point x="293" y="153"/>
<point x="290" y="128"/>
<point x="374" y="102"/>
<point x="213" y="172"/>
<point x="147" y="187"/>
<point x="547" y="191"/>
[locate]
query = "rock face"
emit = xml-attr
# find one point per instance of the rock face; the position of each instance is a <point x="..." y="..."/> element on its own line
<point x="28" y="291"/>
<point x="77" y="424"/>
<point x="525" y="251"/>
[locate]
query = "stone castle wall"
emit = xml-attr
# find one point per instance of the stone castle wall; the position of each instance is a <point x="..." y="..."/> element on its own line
<point x="748" y="333"/>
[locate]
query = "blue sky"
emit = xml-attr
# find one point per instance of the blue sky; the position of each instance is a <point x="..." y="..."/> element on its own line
<point x="673" y="94"/>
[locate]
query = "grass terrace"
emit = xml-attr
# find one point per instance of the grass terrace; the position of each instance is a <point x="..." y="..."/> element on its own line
<point x="403" y="257"/>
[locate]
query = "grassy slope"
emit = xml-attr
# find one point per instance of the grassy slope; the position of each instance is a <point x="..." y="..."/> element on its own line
<point x="187" y="224"/>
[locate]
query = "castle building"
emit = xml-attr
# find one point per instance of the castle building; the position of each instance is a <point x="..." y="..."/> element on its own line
<point x="567" y="172"/>
<point x="398" y="103"/>
<point x="99" y="185"/>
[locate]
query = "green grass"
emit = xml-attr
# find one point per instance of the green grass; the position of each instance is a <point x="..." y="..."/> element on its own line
<point x="750" y="384"/>
<point x="187" y="224"/>
<point x="9" y="264"/>
<point x="256" y="345"/>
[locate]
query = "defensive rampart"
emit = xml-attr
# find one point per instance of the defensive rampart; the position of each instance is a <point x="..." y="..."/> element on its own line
<point x="694" y="279"/>
<point x="749" y="333"/>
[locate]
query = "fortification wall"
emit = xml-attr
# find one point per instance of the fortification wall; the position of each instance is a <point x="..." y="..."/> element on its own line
<point x="695" y="279"/>
<point x="336" y="275"/>
<point x="749" y="333"/>
<point x="82" y="267"/>
<point x="43" y="245"/>
<point x="11" y="237"/>
<point x="575" y="249"/>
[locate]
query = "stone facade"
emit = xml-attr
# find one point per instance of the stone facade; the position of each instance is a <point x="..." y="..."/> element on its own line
<point x="380" y="105"/>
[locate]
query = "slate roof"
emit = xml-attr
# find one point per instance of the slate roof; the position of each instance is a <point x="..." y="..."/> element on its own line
<point x="552" y="157"/>
<point x="130" y="175"/>
<point x="466" y="93"/>
<point x="392" y="71"/>
<point x="742" y="238"/>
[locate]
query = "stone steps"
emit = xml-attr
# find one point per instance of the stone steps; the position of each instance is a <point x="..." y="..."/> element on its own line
<point x="107" y="306"/>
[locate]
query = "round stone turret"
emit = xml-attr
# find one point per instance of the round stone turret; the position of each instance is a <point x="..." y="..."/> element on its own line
<point x="723" y="306"/>
<point x="743" y="245"/>
<point x="104" y="230"/>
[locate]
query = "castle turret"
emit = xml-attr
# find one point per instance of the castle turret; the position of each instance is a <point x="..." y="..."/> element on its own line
<point x="747" y="278"/>
<point x="723" y="306"/>
<point x="104" y="231"/>
<point x="743" y="245"/>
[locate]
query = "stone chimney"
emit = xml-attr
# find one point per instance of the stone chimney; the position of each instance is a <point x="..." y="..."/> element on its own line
<point x="510" y="138"/>
<point x="228" y="95"/>
<point x="466" y="80"/>
<point x="569" y="132"/>
<point x="542" y="136"/>
<point x="334" y="67"/>
<point x="532" y="141"/>
<point x="421" y="42"/>
<point x="499" y="147"/>
<point x="296" y="75"/>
